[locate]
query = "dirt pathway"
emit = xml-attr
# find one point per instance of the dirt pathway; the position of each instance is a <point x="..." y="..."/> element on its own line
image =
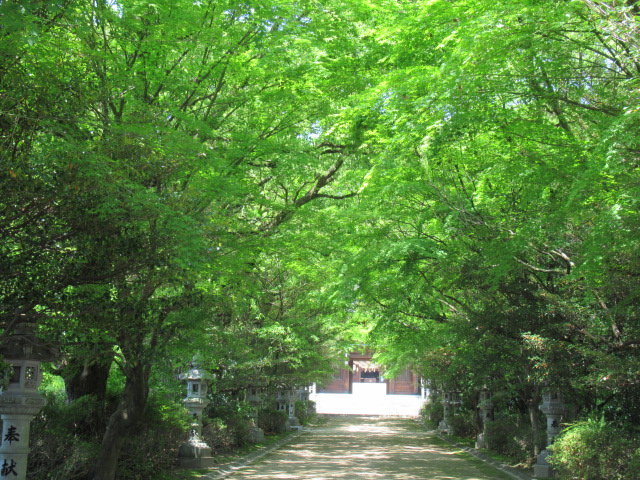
<point x="367" y="448"/>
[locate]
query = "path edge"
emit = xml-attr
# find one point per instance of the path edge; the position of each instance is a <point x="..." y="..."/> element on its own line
<point x="512" y="472"/>
<point x="223" y="471"/>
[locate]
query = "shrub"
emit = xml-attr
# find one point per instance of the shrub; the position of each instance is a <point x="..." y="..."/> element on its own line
<point x="305" y="411"/>
<point x="593" y="449"/>
<point x="153" y="448"/>
<point x="273" y="421"/>
<point x="463" y="424"/>
<point x="218" y="435"/>
<point x="241" y="427"/>
<point x="511" y="435"/>
<point x="432" y="412"/>
<point x="65" y="439"/>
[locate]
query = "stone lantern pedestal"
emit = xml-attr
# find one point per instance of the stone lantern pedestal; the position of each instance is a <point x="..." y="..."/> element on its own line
<point x="554" y="408"/>
<point x="195" y="453"/>
<point x="286" y="403"/>
<point x="20" y="401"/>
<point x="294" y="423"/>
<point x="254" y="397"/>
<point x="449" y="401"/>
<point x="486" y="407"/>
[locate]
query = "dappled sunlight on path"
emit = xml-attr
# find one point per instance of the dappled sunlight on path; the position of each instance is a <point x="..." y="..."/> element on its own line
<point x="366" y="448"/>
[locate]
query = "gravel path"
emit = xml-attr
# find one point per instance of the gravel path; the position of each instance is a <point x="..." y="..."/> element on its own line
<point x="351" y="447"/>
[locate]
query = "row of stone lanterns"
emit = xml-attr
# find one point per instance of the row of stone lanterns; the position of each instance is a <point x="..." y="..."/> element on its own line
<point x="552" y="406"/>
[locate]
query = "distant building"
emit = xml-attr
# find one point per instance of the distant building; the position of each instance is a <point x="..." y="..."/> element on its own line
<point x="363" y="370"/>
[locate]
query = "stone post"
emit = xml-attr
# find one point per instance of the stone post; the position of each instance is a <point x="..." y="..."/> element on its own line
<point x="554" y="408"/>
<point x="294" y="423"/>
<point x="195" y="453"/>
<point x="20" y="401"/>
<point x="282" y="405"/>
<point x="486" y="407"/>
<point x="444" y="426"/>
<point x="254" y="397"/>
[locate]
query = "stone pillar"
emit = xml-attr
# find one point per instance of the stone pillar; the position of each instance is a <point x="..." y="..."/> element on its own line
<point x="195" y="453"/>
<point x="486" y="413"/>
<point x="20" y="401"/>
<point x="254" y="397"/>
<point x="553" y="407"/>
<point x="294" y="423"/>
<point x="449" y="402"/>
<point x="444" y="426"/>
<point x="282" y="405"/>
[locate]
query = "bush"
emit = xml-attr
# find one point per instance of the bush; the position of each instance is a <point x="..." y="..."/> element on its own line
<point x="66" y="438"/>
<point x="463" y="424"/>
<point x="512" y="435"/>
<point x="154" y="447"/>
<point x="273" y="421"/>
<point x="242" y="428"/>
<point x="432" y="412"/>
<point x="305" y="411"/>
<point x="594" y="449"/>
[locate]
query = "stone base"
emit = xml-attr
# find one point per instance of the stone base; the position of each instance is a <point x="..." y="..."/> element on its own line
<point x="542" y="469"/>
<point x="194" y="450"/>
<point x="257" y="435"/>
<point x="197" y="463"/>
<point x="294" y="422"/>
<point x="443" y="427"/>
<point x="481" y="442"/>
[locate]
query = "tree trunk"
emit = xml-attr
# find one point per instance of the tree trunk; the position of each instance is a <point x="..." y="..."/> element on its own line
<point x="534" y="417"/>
<point x="123" y="421"/>
<point x="87" y="376"/>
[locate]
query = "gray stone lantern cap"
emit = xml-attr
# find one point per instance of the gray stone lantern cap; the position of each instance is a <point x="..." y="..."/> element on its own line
<point x="194" y="374"/>
<point x="23" y="344"/>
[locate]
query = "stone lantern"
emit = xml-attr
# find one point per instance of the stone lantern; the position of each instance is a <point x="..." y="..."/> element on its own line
<point x="447" y="402"/>
<point x="195" y="453"/>
<point x="554" y="408"/>
<point x="20" y="401"/>
<point x="254" y="397"/>
<point x="303" y="394"/>
<point x="294" y="423"/>
<point x="286" y="402"/>
<point x="486" y="407"/>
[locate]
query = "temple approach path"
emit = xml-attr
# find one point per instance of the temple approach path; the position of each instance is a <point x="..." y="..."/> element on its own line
<point x="357" y="447"/>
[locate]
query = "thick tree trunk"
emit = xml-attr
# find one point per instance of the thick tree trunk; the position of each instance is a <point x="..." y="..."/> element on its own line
<point x="87" y="376"/>
<point x="123" y="421"/>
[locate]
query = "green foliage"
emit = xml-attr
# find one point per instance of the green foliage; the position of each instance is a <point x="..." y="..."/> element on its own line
<point x="66" y="438"/>
<point x="594" y="449"/>
<point x="266" y="184"/>
<point x="224" y="435"/>
<point x="432" y="412"/>
<point x="272" y="421"/>
<point x="511" y="435"/>
<point x="305" y="411"/>
<point x="463" y="424"/>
